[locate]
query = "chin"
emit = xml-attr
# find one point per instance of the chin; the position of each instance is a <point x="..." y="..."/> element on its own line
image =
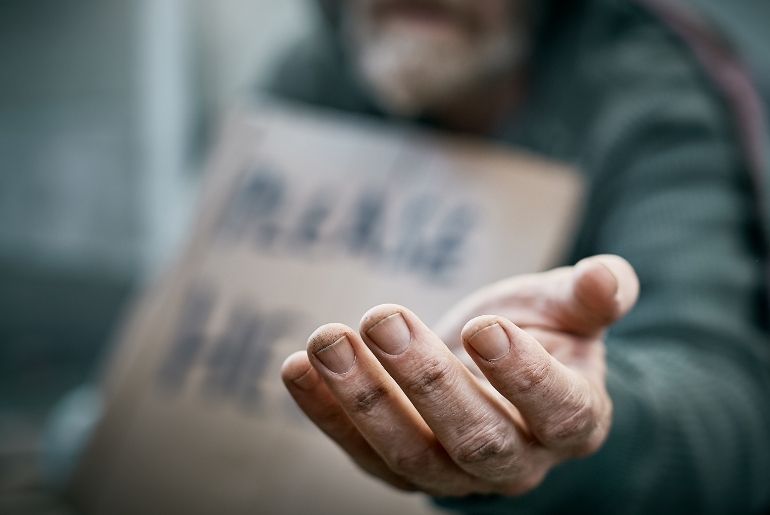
<point x="411" y="75"/>
<point x="413" y="69"/>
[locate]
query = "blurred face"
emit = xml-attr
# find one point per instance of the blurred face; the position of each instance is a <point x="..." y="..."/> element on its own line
<point x="420" y="55"/>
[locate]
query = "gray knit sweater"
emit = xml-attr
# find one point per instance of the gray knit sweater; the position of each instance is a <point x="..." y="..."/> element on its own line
<point x="617" y="93"/>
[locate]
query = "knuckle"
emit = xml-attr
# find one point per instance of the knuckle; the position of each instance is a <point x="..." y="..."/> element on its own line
<point x="576" y="425"/>
<point x="593" y="440"/>
<point x="590" y="445"/>
<point x="491" y="448"/>
<point x="431" y="376"/>
<point x="412" y="463"/>
<point x="367" y="399"/>
<point x="530" y="377"/>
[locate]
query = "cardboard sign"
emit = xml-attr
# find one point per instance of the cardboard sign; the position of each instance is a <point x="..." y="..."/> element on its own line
<point x="306" y="218"/>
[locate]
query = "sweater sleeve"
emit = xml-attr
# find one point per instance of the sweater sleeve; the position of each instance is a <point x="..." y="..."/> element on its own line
<point x="689" y="368"/>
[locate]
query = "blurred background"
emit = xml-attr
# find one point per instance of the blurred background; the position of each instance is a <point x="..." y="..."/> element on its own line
<point x="106" y="110"/>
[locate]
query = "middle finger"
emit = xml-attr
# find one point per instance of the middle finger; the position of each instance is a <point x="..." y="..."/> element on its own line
<point x="479" y="432"/>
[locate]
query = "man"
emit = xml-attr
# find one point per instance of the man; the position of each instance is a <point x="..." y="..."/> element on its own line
<point x="663" y="411"/>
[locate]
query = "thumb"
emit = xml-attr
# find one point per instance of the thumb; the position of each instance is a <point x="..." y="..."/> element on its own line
<point x="603" y="289"/>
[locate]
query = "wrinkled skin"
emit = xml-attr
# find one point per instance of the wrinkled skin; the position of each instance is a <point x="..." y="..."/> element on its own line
<point x="410" y="411"/>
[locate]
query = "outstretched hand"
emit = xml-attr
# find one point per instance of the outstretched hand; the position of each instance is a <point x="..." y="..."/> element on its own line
<point x="406" y="409"/>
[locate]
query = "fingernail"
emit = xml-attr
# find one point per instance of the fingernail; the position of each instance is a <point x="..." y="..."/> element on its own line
<point x="613" y="279"/>
<point x="305" y="380"/>
<point x="490" y="343"/>
<point x="616" y="295"/>
<point x="337" y="357"/>
<point x="391" y="334"/>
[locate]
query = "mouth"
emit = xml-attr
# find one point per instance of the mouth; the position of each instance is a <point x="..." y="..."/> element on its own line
<point x="432" y="16"/>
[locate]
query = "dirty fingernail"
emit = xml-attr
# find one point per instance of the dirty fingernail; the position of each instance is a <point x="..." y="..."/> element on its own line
<point x="297" y="370"/>
<point x="391" y="334"/>
<point x="304" y="381"/>
<point x="490" y="343"/>
<point x="338" y="357"/>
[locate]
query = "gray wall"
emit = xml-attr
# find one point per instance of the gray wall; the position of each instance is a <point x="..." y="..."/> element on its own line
<point x="101" y="105"/>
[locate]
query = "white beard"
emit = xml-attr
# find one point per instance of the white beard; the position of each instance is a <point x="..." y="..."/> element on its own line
<point x="410" y="72"/>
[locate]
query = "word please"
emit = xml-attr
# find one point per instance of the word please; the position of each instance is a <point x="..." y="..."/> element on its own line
<point x="412" y="230"/>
